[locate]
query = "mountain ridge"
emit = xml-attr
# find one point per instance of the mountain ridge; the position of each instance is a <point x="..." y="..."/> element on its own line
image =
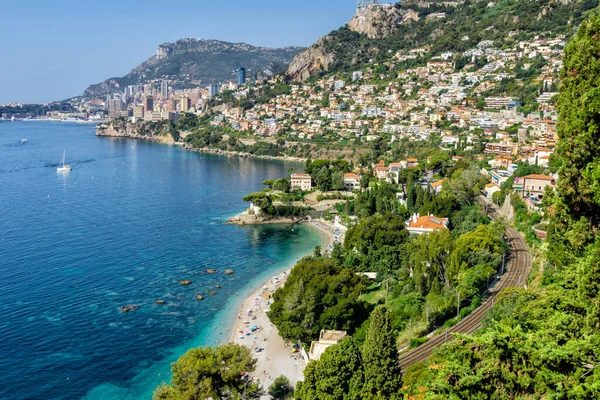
<point x="189" y="61"/>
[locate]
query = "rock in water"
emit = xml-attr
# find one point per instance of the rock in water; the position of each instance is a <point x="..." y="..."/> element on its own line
<point x="229" y="272"/>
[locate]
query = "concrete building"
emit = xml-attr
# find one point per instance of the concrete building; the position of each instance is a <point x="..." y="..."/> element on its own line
<point x="535" y="185"/>
<point x="301" y="181"/>
<point x="241" y="76"/>
<point x="490" y="189"/>
<point x="326" y="340"/>
<point x="214" y="89"/>
<point x="164" y="89"/>
<point x="436" y="187"/>
<point x="352" y="182"/>
<point x="185" y="104"/>
<point x="149" y="104"/>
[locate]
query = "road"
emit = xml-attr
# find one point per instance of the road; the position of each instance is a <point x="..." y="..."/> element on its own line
<point x="517" y="270"/>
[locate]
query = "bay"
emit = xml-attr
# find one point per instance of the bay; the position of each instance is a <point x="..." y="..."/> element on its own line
<point x="130" y="220"/>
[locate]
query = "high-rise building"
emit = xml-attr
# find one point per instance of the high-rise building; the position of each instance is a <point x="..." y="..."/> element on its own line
<point x="116" y="108"/>
<point x="241" y="76"/>
<point x="185" y="104"/>
<point x="149" y="103"/>
<point x="214" y="89"/>
<point x="164" y="88"/>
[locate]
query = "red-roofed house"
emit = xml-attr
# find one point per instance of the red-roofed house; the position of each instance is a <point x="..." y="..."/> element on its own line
<point x="426" y="224"/>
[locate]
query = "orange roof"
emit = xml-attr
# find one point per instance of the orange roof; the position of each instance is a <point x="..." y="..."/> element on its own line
<point x="438" y="183"/>
<point x="382" y="169"/>
<point x="491" y="185"/>
<point x="539" y="177"/>
<point x="412" y="160"/>
<point x="351" y="176"/>
<point x="428" y="222"/>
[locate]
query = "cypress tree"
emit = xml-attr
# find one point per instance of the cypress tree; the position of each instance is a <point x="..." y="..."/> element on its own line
<point x="579" y="127"/>
<point x="383" y="377"/>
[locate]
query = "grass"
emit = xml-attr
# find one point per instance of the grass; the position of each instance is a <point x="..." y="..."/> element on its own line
<point x="374" y="294"/>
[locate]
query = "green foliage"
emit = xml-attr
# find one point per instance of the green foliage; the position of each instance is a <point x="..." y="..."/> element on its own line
<point x="318" y="295"/>
<point x="338" y="375"/>
<point x="579" y="126"/>
<point x="383" y="378"/>
<point x="210" y="372"/>
<point x="282" y="185"/>
<point x="281" y="389"/>
<point x="544" y="342"/>
<point x="472" y="19"/>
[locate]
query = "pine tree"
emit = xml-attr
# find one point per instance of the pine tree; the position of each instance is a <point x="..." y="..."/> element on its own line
<point x="383" y="378"/>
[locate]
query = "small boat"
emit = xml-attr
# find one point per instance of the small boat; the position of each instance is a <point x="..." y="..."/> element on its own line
<point x="23" y="141"/>
<point x="63" y="167"/>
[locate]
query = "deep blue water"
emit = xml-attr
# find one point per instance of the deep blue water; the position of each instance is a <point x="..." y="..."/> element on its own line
<point x="130" y="220"/>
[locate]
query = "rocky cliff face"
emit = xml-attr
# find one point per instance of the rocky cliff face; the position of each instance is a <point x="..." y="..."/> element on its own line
<point x="374" y="21"/>
<point x="125" y="129"/>
<point x="379" y="21"/>
<point x="316" y="58"/>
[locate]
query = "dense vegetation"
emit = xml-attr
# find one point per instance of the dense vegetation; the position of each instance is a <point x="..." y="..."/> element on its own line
<point x="318" y="295"/>
<point x="463" y="27"/>
<point x="545" y="342"/>
<point x="218" y="373"/>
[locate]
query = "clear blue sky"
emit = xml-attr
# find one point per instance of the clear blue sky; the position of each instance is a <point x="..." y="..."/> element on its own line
<point x="52" y="50"/>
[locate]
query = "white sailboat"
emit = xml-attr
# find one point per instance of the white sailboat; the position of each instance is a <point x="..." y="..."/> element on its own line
<point x="62" y="167"/>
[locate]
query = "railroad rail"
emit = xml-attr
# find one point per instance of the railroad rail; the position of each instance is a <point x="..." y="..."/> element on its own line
<point x="515" y="275"/>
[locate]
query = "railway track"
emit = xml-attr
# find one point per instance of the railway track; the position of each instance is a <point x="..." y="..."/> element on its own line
<point x="515" y="275"/>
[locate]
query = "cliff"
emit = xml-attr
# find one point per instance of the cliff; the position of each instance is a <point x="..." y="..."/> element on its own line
<point x="196" y="61"/>
<point x="316" y="58"/>
<point x="381" y="20"/>
<point x="374" y="22"/>
<point x="125" y="129"/>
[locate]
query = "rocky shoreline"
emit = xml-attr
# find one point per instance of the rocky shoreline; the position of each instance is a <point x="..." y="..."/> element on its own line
<point x="112" y="132"/>
<point x="252" y="217"/>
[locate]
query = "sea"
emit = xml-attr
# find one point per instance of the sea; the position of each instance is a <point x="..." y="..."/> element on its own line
<point x="124" y="227"/>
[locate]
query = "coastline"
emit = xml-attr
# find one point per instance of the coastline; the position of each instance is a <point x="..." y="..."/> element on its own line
<point x="206" y="150"/>
<point x="274" y="356"/>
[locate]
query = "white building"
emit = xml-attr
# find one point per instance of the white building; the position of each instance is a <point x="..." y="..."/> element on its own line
<point x="301" y="181"/>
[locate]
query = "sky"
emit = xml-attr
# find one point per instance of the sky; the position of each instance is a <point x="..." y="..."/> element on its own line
<point x="53" y="50"/>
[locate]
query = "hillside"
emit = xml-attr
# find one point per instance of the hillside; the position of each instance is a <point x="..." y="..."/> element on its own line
<point x="378" y="32"/>
<point x="190" y="62"/>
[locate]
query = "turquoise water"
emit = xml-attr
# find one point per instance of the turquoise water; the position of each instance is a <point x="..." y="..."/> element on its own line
<point x="123" y="227"/>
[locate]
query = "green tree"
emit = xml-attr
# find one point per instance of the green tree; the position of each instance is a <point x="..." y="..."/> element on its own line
<point x="282" y="185"/>
<point x="207" y="372"/>
<point x="281" y="389"/>
<point x="579" y="127"/>
<point x="337" y="375"/>
<point x="318" y="295"/>
<point x="337" y="180"/>
<point x="383" y="377"/>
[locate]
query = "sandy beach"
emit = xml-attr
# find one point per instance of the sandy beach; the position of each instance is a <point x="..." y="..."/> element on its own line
<point x="252" y="327"/>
